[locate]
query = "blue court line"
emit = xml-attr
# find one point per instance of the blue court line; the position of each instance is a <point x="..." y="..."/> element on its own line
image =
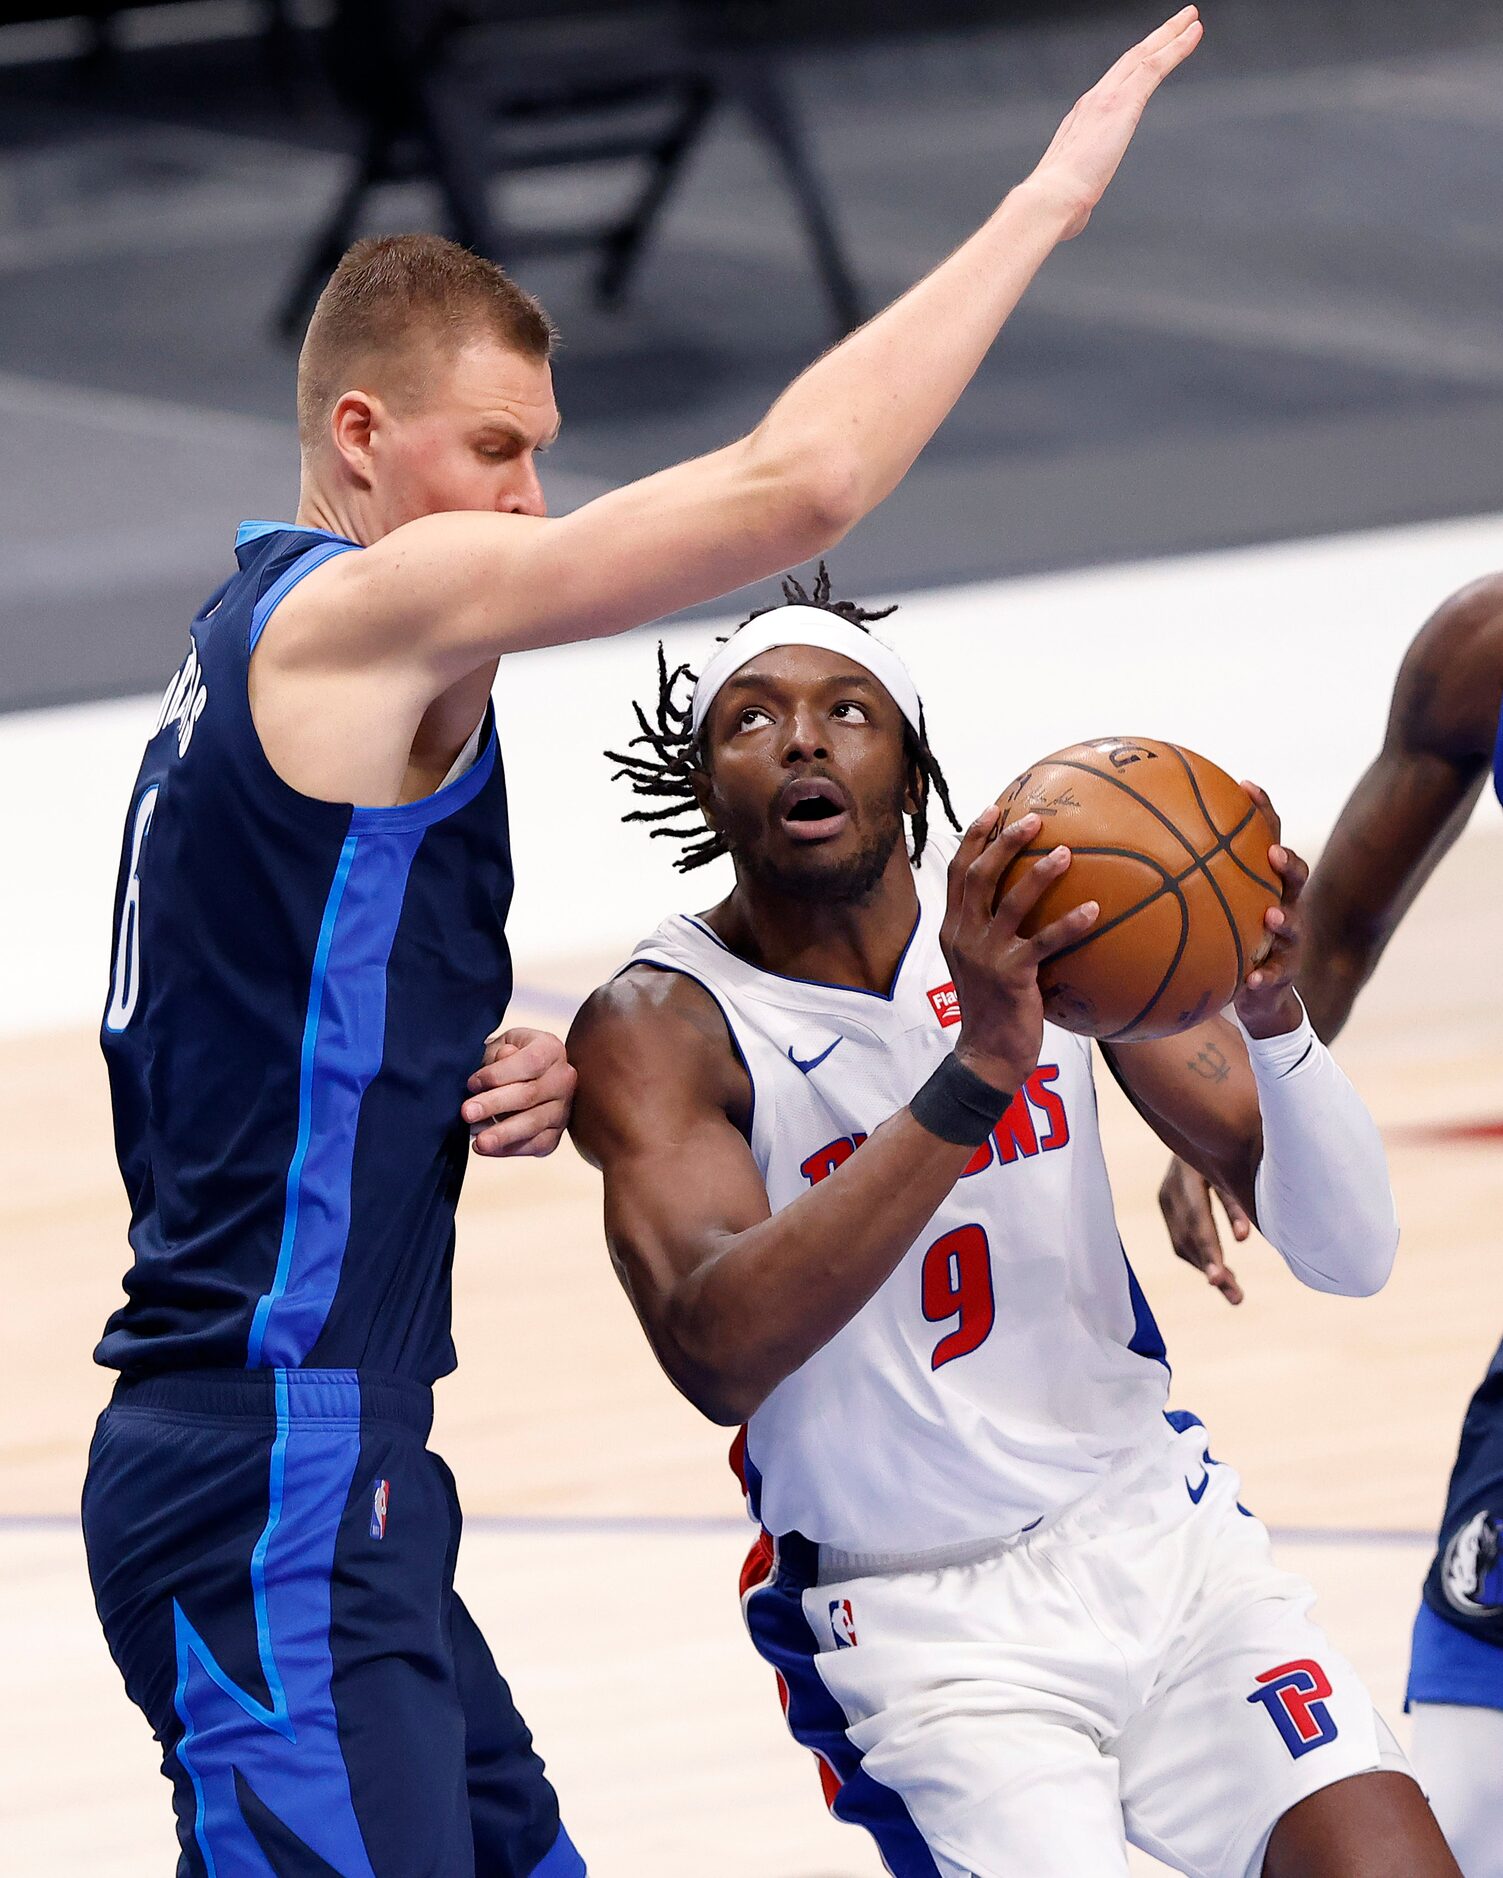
<point x="696" y="1526"/>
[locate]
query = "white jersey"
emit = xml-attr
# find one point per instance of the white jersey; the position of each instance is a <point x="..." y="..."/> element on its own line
<point x="1010" y="1358"/>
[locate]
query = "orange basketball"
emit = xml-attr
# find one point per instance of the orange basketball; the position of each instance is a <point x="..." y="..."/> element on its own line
<point x="1177" y="855"/>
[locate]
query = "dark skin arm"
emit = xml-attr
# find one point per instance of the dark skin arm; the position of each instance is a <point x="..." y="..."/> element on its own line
<point x="1401" y="819"/>
<point x="1196" y="1090"/>
<point x="732" y="1296"/>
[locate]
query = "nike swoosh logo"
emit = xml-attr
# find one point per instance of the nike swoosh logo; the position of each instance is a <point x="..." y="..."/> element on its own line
<point x="1197" y="1494"/>
<point x="814" y="1061"/>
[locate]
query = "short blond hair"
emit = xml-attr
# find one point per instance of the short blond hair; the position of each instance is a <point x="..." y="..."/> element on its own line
<point x="394" y="297"/>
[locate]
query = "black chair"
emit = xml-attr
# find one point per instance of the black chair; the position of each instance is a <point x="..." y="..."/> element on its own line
<point x="464" y="97"/>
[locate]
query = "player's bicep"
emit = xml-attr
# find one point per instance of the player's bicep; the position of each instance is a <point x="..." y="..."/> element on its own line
<point x="655" y="1109"/>
<point x="673" y="1206"/>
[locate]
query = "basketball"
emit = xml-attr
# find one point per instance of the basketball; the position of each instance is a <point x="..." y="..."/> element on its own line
<point x="1176" y="853"/>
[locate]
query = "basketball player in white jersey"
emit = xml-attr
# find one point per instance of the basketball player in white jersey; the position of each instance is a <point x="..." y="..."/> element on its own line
<point x="855" y="1190"/>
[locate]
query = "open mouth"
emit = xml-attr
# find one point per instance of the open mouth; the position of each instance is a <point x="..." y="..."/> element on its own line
<point x="812" y="811"/>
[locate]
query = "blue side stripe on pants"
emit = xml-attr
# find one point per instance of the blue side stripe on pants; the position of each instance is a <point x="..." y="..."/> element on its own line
<point x="783" y="1636"/>
<point x="287" y="1752"/>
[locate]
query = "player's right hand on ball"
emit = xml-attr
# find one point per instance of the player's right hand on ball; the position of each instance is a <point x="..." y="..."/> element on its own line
<point x="995" y="971"/>
<point x="1185" y="1202"/>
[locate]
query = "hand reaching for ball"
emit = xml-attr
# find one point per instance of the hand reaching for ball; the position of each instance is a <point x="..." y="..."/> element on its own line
<point x="994" y="966"/>
<point x="1265" y="1002"/>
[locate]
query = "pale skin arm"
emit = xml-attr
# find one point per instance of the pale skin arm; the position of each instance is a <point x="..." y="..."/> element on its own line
<point x="448" y="593"/>
<point x="1398" y="824"/>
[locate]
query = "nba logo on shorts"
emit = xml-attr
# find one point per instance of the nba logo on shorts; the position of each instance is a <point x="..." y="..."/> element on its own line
<point x="843" y="1623"/>
<point x="380" y="1500"/>
<point x="1294" y="1696"/>
<point x="946" y="1004"/>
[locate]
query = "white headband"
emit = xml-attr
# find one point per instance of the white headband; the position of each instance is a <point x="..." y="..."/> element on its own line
<point x="806" y="626"/>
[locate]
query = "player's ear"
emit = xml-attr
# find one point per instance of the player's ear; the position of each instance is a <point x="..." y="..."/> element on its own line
<point x="353" y="425"/>
<point x="704" y="797"/>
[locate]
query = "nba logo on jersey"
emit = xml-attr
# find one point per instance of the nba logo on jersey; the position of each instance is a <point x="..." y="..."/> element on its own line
<point x="843" y="1623"/>
<point x="946" y="1004"/>
<point x="380" y="1500"/>
<point x="1294" y="1696"/>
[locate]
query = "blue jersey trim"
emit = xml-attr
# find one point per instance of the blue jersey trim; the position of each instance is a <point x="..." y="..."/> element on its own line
<point x="291" y="1208"/>
<point x="279" y="589"/>
<point x="1147" y="1339"/>
<point x="683" y="971"/>
<point x="820" y="984"/>
<point x="344" y="1040"/>
<point x="1448" y="1665"/>
<point x="288" y="1753"/>
<point x="254" y="531"/>
<point x="410" y="817"/>
<point x="1498" y="761"/>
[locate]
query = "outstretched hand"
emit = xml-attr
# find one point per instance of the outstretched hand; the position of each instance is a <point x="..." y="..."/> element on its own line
<point x="1093" y="139"/>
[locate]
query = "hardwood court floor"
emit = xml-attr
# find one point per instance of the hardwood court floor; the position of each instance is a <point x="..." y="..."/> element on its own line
<point x="603" y="1544"/>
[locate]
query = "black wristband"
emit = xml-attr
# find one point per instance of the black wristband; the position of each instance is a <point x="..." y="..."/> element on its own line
<point x="958" y="1106"/>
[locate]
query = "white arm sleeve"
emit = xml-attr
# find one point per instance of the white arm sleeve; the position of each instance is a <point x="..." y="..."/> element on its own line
<point x="1322" y="1189"/>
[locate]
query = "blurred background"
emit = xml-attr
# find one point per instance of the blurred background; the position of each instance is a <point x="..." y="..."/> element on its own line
<point x="1239" y="440"/>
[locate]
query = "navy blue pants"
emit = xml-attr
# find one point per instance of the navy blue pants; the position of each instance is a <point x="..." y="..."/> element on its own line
<point x="1457" y="1653"/>
<point x="272" y="1554"/>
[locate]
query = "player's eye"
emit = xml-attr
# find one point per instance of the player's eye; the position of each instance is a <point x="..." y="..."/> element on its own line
<point x="748" y="717"/>
<point x="850" y="712"/>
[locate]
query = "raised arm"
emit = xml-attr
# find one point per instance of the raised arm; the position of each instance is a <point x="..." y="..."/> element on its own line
<point x="1403" y="816"/>
<point x="732" y="1296"/>
<point x="456" y="590"/>
<point x="1412" y="802"/>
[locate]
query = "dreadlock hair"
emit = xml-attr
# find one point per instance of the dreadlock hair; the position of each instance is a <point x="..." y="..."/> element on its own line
<point x="663" y="759"/>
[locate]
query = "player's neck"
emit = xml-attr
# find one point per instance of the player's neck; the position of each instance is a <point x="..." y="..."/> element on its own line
<point x="859" y="944"/>
<point x="337" y="512"/>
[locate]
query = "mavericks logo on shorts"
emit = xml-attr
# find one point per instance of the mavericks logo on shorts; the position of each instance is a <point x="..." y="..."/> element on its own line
<point x="843" y="1623"/>
<point x="1472" y="1571"/>
<point x="380" y="1501"/>
<point x="1294" y="1696"/>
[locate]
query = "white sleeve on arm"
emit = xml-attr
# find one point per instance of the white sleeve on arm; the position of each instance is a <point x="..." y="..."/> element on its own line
<point x="1322" y="1192"/>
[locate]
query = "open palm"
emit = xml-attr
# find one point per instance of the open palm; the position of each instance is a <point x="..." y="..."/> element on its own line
<point x="1088" y="146"/>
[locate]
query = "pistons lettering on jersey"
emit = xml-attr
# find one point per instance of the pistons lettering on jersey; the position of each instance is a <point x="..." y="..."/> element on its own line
<point x="843" y="1623"/>
<point x="1294" y="1695"/>
<point x="946" y="1002"/>
<point x="183" y="703"/>
<point x="1016" y="1136"/>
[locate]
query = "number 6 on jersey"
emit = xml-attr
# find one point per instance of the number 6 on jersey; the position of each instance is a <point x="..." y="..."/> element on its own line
<point x="125" y="981"/>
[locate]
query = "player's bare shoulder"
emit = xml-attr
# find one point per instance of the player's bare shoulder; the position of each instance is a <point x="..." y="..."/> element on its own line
<point x="1450" y="687"/>
<point x="651" y="1045"/>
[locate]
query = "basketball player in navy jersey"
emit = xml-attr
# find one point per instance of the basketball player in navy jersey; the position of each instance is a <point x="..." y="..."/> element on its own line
<point x="1444" y="740"/>
<point x="298" y="989"/>
<point x="855" y="1191"/>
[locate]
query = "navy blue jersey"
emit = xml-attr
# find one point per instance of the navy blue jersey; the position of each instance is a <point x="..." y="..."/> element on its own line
<point x="299" y="991"/>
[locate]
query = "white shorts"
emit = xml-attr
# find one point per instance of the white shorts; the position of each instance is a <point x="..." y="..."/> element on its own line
<point x="1136" y="1670"/>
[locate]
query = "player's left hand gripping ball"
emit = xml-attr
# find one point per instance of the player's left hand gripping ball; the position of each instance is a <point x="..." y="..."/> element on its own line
<point x="520" y="1097"/>
<point x="1266" y="1004"/>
